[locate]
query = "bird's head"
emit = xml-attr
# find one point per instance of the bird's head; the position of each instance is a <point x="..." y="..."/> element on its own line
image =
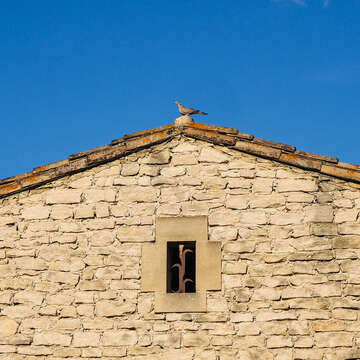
<point x="177" y="103"/>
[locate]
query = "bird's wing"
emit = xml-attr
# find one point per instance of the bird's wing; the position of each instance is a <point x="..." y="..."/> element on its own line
<point x="189" y="109"/>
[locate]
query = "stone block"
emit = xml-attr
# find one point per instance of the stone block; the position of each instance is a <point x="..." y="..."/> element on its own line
<point x="349" y="229"/>
<point x="267" y="201"/>
<point x="223" y="233"/>
<point x="324" y="229"/>
<point x="346" y="215"/>
<point x="135" y="234"/>
<point x="84" y="212"/>
<point x="62" y="277"/>
<point x="51" y="338"/>
<point x="212" y="155"/>
<point x="95" y="195"/>
<point x="157" y="158"/>
<point x="240" y="246"/>
<point x="30" y="263"/>
<point x="253" y="218"/>
<point x="184" y="159"/>
<point x="333" y="339"/>
<point x="237" y="202"/>
<point x="224" y="217"/>
<point x="36" y="212"/>
<point x="278" y="342"/>
<point x="92" y="285"/>
<point x="28" y="297"/>
<point x="137" y="193"/>
<point x="319" y="213"/>
<point x="8" y="327"/>
<point x="63" y="197"/>
<point x="99" y="224"/>
<point x="291" y="185"/>
<point x="61" y="212"/>
<point x="68" y="324"/>
<point x="234" y="268"/>
<point x="85" y="339"/>
<point x="171" y="340"/>
<point x="130" y="169"/>
<point x="108" y="308"/>
<point x="196" y="339"/>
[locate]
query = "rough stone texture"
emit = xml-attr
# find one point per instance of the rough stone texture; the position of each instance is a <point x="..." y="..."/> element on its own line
<point x="70" y="260"/>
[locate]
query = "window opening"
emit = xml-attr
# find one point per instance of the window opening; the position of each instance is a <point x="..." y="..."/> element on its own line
<point x="181" y="266"/>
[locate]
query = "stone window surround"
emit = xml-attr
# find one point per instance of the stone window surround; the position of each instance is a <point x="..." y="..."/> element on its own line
<point x="208" y="263"/>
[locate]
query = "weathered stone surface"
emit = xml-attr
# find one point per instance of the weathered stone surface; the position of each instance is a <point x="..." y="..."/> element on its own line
<point x="167" y="340"/>
<point x="235" y="268"/>
<point x="130" y="169"/>
<point x="346" y="215"/>
<point x="85" y="339"/>
<point x="253" y="217"/>
<point x="347" y="242"/>
<point x="119" y="338"/>
<point x="333" y="339"/>
<point x="223" y="217"/>
<point x="278" y="342"/>
<point x="63" y="197"/>
<point x="267" y="201"/>
<point x="184" y="159"/>
<point x="109" y="308"/>
<point x="52" y="338"/>
<point x="8" y="327"/>
<point x="84" y="212"/>
<point x="212" y="155"/>
<point x="349" y="229"/>
<point x="30" y="263"/>
<point x="159" y="158"/>
<point x="237" y="202"/>
<point x="71" y="258"/>
<point x="135" y="234"/>
<point x="287" y="185"/>
<point x="223" y="233"/>
<point x="62" y="277"/>
<point x="94" y="196"/>
<point x="36" y="212"/>
<point x="61" y="212"/>
<point x="242" y="246"/>
<point x="137" y="193"/>
<point x="195" y="339"/>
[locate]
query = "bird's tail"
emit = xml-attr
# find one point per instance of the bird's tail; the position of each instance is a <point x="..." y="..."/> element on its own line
<point x="203" y="113"/>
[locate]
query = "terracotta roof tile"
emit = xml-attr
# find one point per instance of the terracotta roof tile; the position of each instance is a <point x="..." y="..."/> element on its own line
<point x="318" y="157"/>
<point x="220" y="135"/>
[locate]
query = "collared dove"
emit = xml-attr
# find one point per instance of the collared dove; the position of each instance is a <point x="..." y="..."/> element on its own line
<point x="188" y="111"/>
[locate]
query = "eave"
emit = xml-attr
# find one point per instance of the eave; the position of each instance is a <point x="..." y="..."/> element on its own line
<point x="219" y="135"/>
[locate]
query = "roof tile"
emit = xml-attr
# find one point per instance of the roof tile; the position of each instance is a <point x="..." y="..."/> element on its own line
<point x="214" y="137"/>
<point x="301" y="161"/>
<point x="275" y="145"/>
<point x="318" y="157"/>
<point x="218" y="129"/>
<point x="337" y="171"/>
<point x="219" y="135"/>
<point x="258" y="149"/>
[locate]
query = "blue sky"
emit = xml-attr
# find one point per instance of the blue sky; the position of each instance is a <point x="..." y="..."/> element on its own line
<point x="77" y="74"/>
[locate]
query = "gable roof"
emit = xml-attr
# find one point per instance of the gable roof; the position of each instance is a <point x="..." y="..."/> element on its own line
<point x="219" y="135"/>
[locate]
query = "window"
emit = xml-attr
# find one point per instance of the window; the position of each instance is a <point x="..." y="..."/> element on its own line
<point x="181" y="267"/>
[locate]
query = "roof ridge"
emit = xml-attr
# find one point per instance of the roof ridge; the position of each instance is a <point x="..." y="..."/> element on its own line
<point x="220" y="135"/>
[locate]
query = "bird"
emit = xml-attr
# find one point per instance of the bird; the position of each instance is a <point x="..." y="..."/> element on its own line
<point x="188" y="111"/>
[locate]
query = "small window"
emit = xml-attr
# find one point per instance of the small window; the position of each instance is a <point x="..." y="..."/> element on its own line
<point x="181" y="267"/>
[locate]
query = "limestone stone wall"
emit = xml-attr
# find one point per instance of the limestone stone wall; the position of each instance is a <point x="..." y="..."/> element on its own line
<point x="70" y="261"/>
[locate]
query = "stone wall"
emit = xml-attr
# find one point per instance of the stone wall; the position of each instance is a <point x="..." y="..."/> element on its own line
<point x="70" y="261"/>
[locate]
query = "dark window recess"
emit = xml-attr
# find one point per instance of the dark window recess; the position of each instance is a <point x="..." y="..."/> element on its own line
<point x="181" y="267"/>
